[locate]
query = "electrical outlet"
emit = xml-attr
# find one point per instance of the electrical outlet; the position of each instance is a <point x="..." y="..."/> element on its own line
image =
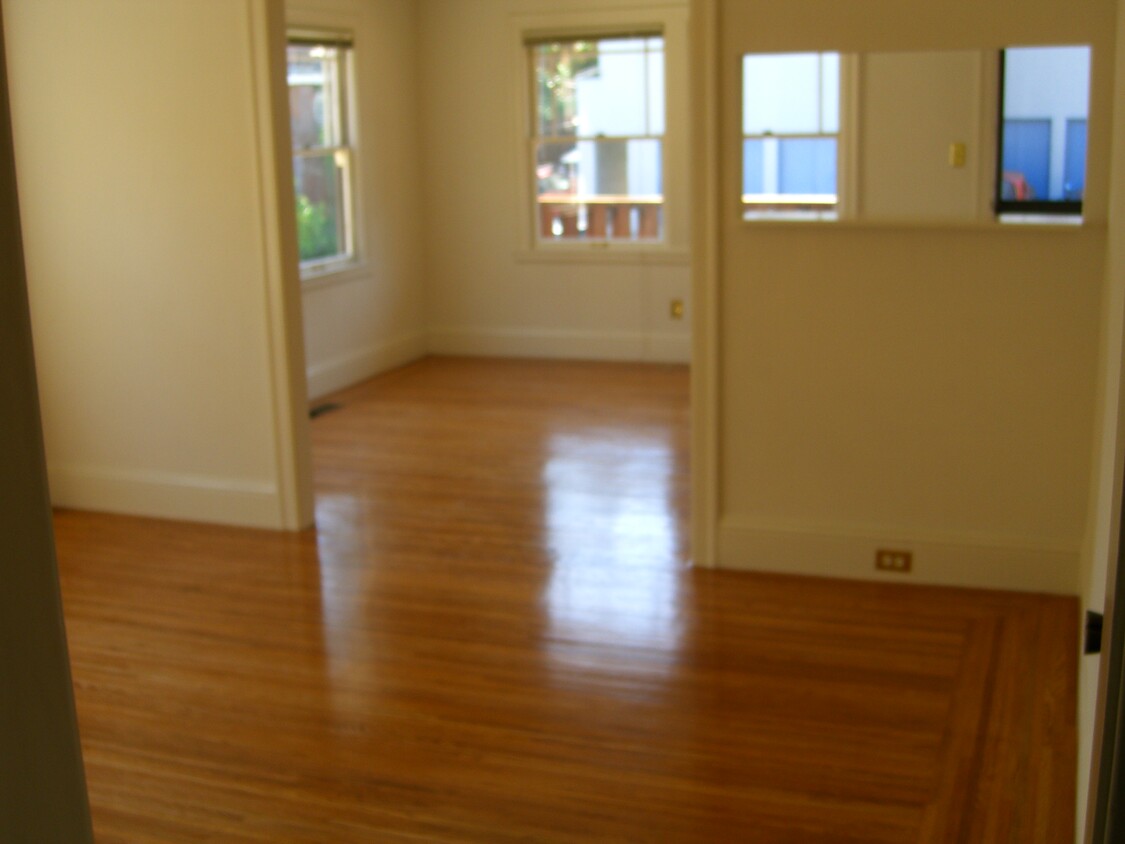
<point x="676" y="309"/>
<point x="899" y="561"/>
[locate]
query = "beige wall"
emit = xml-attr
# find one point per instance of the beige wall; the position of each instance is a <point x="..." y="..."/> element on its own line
<point x="161" y="271"/>
<point x="921" y="386"/>
<point x="487" y="293"/>
<point x="371" y="318"/>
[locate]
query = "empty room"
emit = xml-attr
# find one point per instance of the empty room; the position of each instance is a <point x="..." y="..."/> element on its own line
<point x="495" y="420"/>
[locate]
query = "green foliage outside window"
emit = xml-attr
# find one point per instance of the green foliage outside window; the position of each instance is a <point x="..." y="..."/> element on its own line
<point x="316" y="230"/>
<point x="558" y="65"/>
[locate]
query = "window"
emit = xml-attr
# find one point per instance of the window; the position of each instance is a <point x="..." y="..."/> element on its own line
<point x="1044" y="99"/>
<point x="318" y="74"/>
<point x="790" y="129"/>
<point x="597" y="138"/>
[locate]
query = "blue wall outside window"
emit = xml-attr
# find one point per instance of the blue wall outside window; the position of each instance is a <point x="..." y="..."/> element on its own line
<point x="807" y="165"/>
<point x="1027" y="151"/>
<point x="1074" y="172"/>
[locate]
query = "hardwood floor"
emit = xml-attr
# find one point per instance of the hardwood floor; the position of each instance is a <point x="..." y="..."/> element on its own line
<point x="492" y="635"/>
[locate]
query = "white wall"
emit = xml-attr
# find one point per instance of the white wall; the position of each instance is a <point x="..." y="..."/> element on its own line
<point x="370" y="318"/>
<point x="927" y="387"/>
<point x="488" y="292"/>
<point x="161" y="272"/>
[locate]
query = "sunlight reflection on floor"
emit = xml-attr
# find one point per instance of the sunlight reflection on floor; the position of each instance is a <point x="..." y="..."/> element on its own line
<point x="613" y="537"/>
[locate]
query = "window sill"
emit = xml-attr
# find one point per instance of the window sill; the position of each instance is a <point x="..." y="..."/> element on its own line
<point x="1039" y="220"/>
<point x="1039" y="225"/>
<point x="586" y="253"/>
<point x="330" y="275"/>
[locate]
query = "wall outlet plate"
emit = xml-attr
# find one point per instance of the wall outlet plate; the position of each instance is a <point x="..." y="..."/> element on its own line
<point x="888" y="560"/>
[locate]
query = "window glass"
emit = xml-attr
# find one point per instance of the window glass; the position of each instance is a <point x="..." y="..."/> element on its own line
<point x="598" y="138"/>
<point x="829" y="92"/>
<point x="1074" y="171"/>
<point x="807" y="165"/>
<point x="754" y="166"/>
<point x="320" y="227"/>
<point x="1027" y="155"/>
<point x="781" y="94"/>
<point x="1044" y="105"/>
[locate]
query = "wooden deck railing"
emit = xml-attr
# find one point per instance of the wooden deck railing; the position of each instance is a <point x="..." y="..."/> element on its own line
<point x="606" y="217"/>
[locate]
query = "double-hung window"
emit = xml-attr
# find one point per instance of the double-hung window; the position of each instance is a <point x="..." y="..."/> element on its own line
<point x="318" y="74"/>
<point x="790" y="131"/>
<point x="597" y="138"/>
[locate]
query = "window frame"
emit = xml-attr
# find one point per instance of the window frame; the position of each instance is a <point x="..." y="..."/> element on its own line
<point x="536" y="141"/>
<point x="672" y="23"/>
<point x="344" y="153"/>
<point x="1014" y="208"/>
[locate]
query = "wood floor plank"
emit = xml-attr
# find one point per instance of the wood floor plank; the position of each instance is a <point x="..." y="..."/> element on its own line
<point x="493" y="635"/>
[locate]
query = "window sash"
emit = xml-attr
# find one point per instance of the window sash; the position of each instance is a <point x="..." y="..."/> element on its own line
<point x="335" y="121"/>
<point x="339" y="211"/>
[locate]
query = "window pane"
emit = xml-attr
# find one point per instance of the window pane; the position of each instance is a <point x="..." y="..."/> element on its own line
<point x="1027" y="158"/>
<point x="655" y="80"/>
<point x="626" y="168"/>
<point x="830" y="92"/>
<point x="783" y="92"/>
<point x="602" y="87"/>
<point x="1074" y="182"/>
<point x="807" y="165"/>
<point x="1046" y="100"/>
<point x="315" y="96"/>
<point x="753" y="166"/>
<point x="600" y="190"/>
<point x="321" y="218"/>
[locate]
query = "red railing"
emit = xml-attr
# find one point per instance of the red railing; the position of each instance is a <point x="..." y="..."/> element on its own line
<point x="565" y="216"/>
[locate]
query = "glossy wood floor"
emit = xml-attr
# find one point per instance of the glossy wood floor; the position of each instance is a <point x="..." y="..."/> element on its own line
<point x="493" y="636"/>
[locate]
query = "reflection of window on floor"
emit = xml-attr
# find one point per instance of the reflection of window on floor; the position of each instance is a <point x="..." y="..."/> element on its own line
<point x="613" y="534"/>
<point x="1044" y="104"/>
<point x="790" y="127"/>
<point x="318" y="75"/>
<point x="597" y="142"/>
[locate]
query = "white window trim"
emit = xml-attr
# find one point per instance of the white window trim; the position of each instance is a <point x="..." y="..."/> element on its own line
<point x="672" y="23"/>
<point x="321" y="272"/>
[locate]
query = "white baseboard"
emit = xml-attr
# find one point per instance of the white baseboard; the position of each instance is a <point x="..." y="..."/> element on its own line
<point x="972" y="561"/>
<point x="668" y="348"/>
<point x="562" y="344"/>
<point x="167" y="495"/>
<point x="344" y="371"/>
